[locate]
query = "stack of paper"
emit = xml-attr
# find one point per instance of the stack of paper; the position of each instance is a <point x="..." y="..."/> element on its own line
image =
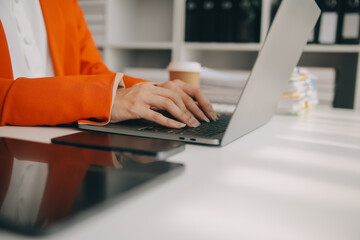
<point x="223" y="86"/>
<point x="94" y="11"/>
<point x="218" y="86"/>
<point x="152" y="74"/>
<point x="211" y="84"/>
<point x="300" y="94"/>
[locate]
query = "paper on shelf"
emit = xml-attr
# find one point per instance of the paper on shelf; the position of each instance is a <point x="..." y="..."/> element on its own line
<point x="208" y="76"/>
<point x="219" y="86"/>
<point x="224" y="78"/>
<point x="151" y="74"/>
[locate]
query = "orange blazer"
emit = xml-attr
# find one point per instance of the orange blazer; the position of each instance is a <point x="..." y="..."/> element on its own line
<point x="82" y="87"/>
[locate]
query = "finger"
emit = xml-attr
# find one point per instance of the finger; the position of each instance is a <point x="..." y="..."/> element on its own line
<point x="168" y="105"/>
<point x="190" y="104"/>
<point x="158" y="118"/>
<point x="171" y="94"/>
<point x="200" y="97"/>
<point x="194" y="107"/>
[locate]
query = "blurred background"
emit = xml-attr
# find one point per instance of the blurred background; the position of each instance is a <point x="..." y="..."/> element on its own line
<point x="140" y="38"/>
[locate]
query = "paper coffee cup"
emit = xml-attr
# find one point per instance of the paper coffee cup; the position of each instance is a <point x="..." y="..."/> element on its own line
<point x="188" y="72"/>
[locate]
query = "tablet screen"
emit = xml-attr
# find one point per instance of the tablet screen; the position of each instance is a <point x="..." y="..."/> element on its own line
<point x="129" y="145"/>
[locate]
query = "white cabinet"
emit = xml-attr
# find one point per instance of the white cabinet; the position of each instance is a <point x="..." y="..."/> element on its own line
<point x="150" y="34"/>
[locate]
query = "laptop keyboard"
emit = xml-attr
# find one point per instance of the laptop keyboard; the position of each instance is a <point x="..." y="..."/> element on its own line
<point x="204" y="130"/>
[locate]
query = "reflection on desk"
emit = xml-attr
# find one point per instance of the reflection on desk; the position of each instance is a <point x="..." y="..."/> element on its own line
<point x="42" y="185"/>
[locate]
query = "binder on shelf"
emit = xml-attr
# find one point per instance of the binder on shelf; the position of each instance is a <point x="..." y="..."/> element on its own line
<point x="350" y="22"/>
<point x="208" y="20"/>
<point x="329" y="21"/>
<point x="226" y="23"/>
<point x="248" y="20"/>
<point x="192" y="20"/>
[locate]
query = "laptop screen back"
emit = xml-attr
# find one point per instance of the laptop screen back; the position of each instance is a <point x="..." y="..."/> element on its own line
<point x="279" y="55"/>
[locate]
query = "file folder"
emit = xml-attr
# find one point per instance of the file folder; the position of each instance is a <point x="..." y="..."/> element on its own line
<point x="350" y="22"/>
<point x="192" y="20"/>
<point x="248" y="20"/>
<point x="208" y="20"/>
<point x="329" y="21"/>
<point x="226" y="23"/>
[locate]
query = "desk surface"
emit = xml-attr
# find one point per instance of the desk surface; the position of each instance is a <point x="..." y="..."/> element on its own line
<point x="294" y="178"/>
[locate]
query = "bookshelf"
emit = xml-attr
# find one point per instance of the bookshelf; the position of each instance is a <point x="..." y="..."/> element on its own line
<point x="151" y="33"/>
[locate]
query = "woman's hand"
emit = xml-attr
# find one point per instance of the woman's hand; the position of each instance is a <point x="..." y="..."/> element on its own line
<point x="181" y="100"/>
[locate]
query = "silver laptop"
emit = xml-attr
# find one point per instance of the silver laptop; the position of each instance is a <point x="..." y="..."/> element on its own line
<point x="276" y="60"/>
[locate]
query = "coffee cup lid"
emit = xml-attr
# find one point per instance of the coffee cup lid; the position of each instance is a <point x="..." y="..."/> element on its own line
<point x="184" y="66"/>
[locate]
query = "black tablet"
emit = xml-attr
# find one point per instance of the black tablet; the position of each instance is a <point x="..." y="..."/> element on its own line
<point x="44" y="187"/>
<point x="129" y="145"/>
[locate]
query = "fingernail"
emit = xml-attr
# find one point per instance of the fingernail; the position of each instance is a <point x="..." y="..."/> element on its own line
<point x="217" y="116"/>
<point x="214" y="116"/>
<point x="181" y="125"/>
<point x="194" y="123"/>
<point x="206" y="119"/>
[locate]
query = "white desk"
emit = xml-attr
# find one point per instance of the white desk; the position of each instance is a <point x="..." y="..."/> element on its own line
<point x="294" y="178"/>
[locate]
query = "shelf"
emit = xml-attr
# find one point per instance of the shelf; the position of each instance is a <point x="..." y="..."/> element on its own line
<point x="257" y="46"/>
<point x="251" y="47"/>
<point x="143" y="45"/>
<point x="332" y="48"/>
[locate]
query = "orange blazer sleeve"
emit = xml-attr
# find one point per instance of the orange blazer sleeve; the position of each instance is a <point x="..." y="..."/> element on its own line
<point x="56" y="100"/>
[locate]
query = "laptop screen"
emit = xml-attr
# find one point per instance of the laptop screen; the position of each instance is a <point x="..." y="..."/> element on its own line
<point x="44" y="187"/>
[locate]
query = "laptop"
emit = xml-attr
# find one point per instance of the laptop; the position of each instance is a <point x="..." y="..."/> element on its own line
<point x="276" y="60"/>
